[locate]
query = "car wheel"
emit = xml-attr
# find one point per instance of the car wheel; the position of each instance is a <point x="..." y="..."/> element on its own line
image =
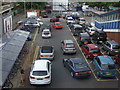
<point x="64" y="64"/>
<point x="72" y="74"/>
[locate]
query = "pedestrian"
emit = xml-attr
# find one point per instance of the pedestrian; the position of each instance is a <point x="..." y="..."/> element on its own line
<point x="22" y="76"/>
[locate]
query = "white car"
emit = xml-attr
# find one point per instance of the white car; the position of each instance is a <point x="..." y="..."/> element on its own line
<point x="90" y="30"/>
<point x="81" y="20"/>
<point x="33" y="23"/>
<point x="46" y="33"/>
<point x="40" y="72"/>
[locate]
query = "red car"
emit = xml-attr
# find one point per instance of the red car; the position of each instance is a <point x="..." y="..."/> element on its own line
<point x="57" y="25"/>
<point x="117" y="58"/>
<point x="91" y="50"/>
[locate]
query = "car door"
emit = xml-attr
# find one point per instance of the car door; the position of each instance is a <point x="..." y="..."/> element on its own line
<point x="53" y="25"/>
<point x="97" y="63"/>
<point x="85" y="49"/>
<point x="70" y="66"/>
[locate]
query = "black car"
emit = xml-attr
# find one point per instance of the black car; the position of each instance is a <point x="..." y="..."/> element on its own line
<point x="99" y="36"/>
<point x="54" y="19"/>
<point x="83" y="38"/>
<point x="77" y="67"/>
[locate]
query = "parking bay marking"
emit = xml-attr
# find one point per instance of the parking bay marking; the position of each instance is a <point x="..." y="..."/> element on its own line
<point x="98" y="79"/>
<point x="36" y="53"/>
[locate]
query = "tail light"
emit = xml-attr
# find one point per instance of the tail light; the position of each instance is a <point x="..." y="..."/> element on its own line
<point x="89" y="72"/>
<point x="51" y="55"/>
<point x="101" y="70"/>
<point x="47" y="77"/>
<point x="77" y="73"/>
<point x="41" y="56"/>
<point x="32" y="77"/>
<point x="110" y="49"/>
<point x="80" y="39"/>
<point x="64" y="46"/>
<point x="74" y="45"/>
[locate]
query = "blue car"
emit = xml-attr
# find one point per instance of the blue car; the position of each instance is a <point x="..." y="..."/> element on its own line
<point x="77" y="67"/>
<point x="105" y="66"/>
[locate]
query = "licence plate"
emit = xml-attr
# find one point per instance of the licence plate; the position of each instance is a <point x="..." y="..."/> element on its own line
<point x="83" y="72"/>
<point x="116" y="51"/>
<point x="108" y="73"/>
<point x="100" y="41"/>
<point x="46" y="56"/>
<point x="95" y="55"/>
<point x="70" y="49"/>
<point x="39" y="78"/>
<point x="85" y="42"/>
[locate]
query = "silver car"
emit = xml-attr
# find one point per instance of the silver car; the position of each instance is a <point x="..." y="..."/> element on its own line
<point x="47" y="52"/>
<point x="68" y="46"/>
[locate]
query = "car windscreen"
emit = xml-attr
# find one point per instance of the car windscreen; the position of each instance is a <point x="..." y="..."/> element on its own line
<point x="94" y="50"/>
<point x="115" y="46"/>
<point x="82" y="19"/>
<point x="108" y="66"/>
<point x="58" y="24"/>
<point x="39" y="73"/>
<point x="80" y="65"/>
<point x="85" y="37"/>
<point x="70" y="45"/>
<point x="92" y="29"/>
<point x="46" y="32"/>
<point x="78" y="28"/>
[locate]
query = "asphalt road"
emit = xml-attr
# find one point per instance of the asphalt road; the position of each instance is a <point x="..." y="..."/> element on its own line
<point x="61" y="77"/>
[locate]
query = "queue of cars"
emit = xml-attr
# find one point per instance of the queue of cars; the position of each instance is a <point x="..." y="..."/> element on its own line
<point x="105" y="66"/>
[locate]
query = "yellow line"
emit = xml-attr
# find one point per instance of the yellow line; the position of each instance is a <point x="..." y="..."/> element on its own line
<point x="35" y="35"/>
<point x="118" y="70"/>
<point x="36" y="53"/>
<point x="108" y="79"/>
<point x="89" y="64"/>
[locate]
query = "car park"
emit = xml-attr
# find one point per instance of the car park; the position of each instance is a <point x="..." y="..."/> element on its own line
<point x="91" y="50"/>
<point x="32" y="23"/>
<point x="104" y="66"/>
<point x="111" y="47"/>
<point x="77" y="67"/>
<point x="68" y="47"/>
<point x="54" y="19"/>
<point x="46" y="52"/>
<point x="81" y="21"/>
<point x="40" y="72"/>
<point x="57" y="25"/>
<point x="90" y="30"/>
<point x="46" y="33"/>
<point x="99" y="36"/>
<point x="83" y="38"/>
<point x="76" y="29"/>
<point x="117" y="59"/>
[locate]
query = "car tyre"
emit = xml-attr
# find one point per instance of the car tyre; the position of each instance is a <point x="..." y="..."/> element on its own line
<point x="72" y="74"/>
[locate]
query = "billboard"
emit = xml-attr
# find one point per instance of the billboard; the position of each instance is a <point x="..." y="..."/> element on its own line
<point x="7" y="23"/>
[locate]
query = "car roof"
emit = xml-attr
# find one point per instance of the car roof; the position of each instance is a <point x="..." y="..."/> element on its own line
<point x="77" y="25"/>
<point x="57" y="22"/>
<point x="76" y="60"/>
<point x="46" y="29"/>
<point x="92" y="46"/>
<point x="81" y="18"/>
<point x="113" y="42"/>
<point x="40" y="65"/>
<point x="84" y="34"/>
<point x="68" y="41"/>
<point x="106" y="60"/>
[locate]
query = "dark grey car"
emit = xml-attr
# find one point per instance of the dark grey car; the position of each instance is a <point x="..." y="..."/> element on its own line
<point x="111" y="47"/>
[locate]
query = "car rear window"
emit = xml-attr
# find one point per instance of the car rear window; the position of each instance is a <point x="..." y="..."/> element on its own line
<point x="80" y="65"/>
<point x="39" y="73"/>
<point x="46" y="32"/>
<point x="58" y="24"/>
<point x="115" y="46"/>
<point x="46" y="50"/>
<point x="82" y="19"/>
<point x="70" y="45"/>
<point x="108" y="66"/>
<point x="94" y="50"/>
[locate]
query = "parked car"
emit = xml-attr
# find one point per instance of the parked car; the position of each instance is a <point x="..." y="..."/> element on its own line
<point x="90" y="30"/>
<point x="40" y="72"/>
<point x="32" y="23"/>
<point x="87" y="25"/>
<point x="29" y="38"/>
<point x="69" y="19"/>
<point x="117" y="58"/>
<point x="68" y="46"/>
<point x="46" y="52"/>
<point x="104" y="66"/>
<point x="77" y="67"/>
<point x="57" y="25"/>
<point x="54" y="19"/>
<point x="46" y="33"/>
<point x="45" y="15"/>
<point x="99" y="36"/>
<point x="111" y="47"/>
<point x="81" y="21"/>
<point x="83" y="38"/>
<point x="57" y="15"/>
<point x="91" y="50"/>
<point x="70" y="24"/>
<point x="76" y="29"/>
